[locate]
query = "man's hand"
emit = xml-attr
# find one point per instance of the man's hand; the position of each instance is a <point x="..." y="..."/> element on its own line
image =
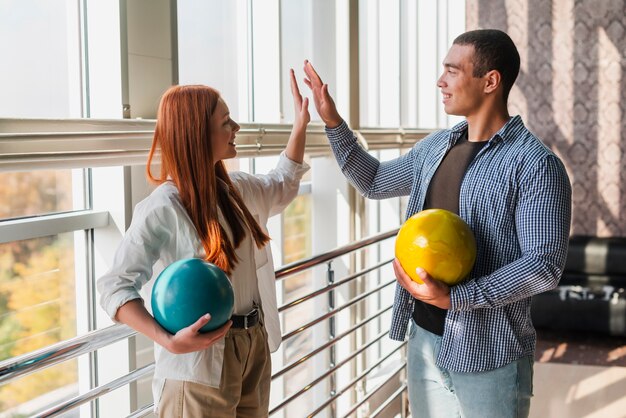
<point x="433" y="292"/>
<point x="323" y="102"/>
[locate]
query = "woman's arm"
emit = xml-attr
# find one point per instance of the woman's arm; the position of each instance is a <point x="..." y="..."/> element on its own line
<point x="187" y="340"/>
<point x="273" y="191"/>
<point x="152" y="231"/>
<point x="295" y="147"/>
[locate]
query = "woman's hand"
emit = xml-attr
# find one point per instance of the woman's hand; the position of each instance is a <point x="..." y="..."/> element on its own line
<point x="135" y="315"/>
<point x="323" y="102"/>
<point x="300" y="105"/>
<point x="295" y="147"/>
<point x="189" y="339"/>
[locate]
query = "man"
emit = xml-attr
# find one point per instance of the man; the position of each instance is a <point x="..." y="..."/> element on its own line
<point x="471" y="346"/>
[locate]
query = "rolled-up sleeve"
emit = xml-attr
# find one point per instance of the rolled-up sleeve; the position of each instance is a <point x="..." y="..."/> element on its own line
<point x="132" y="264"/>
<point x="276" y="189"/>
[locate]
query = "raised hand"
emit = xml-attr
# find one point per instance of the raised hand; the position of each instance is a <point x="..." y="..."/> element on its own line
<point x="190" y="339"/>
<point x="432" y="291"/>
<point x="295" y="146"/>
<point x="300" y="106"/>
<point x="321" y="98"/>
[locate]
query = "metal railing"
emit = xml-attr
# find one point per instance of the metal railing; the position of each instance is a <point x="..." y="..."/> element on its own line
<point x="26" y="364"/>
<point x="27" y="144"/>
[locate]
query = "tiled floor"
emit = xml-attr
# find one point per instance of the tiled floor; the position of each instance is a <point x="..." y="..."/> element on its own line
<point x="568" y="347"/>
<point x="579" y="375"/>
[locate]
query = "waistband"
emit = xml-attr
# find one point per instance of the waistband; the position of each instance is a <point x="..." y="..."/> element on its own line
<point x="246" y="321"/>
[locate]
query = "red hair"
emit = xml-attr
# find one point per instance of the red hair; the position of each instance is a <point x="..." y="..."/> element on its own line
<point x="183" y="135"/>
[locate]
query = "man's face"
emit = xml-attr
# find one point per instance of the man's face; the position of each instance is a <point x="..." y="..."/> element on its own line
<point x="462" y="92"/>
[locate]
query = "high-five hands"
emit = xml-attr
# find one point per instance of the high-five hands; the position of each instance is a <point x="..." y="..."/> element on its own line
<point x="432" y="291"/>
<point x="321" y="98"/>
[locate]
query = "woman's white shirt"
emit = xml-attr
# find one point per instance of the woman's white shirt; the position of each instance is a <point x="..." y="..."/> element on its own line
<point x="162" y="231"/>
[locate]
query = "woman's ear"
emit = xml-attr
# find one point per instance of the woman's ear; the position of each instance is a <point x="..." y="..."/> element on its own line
<point x="493" y="80"/>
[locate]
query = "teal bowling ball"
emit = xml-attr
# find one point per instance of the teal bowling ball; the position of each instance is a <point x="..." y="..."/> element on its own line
<point x="189" y="288"/>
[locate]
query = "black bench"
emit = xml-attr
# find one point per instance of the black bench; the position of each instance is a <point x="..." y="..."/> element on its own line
<point x="591" y="295"/>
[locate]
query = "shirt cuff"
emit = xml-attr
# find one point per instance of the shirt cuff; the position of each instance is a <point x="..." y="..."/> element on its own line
<point x="459" y="298"/>
<point x="291" y="166"/>
<point x="118" y="300"/>
<point x="339" y="132"/>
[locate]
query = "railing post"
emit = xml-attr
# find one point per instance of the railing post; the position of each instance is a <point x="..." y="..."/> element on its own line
<point x="404" y="397"/>
<point x="405" y="404"/>
<point x="330" y="279"/>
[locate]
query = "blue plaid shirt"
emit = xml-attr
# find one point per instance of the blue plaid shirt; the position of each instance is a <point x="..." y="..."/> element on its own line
<point x="516" y="197"/>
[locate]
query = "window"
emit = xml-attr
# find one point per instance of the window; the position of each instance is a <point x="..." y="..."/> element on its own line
<point x="245" y="49"/>
<point x="40" y="192"/>
<point x="37" y="309"/>
<point x="213" y="49"/>
<point x="44" y="76"/>
<point x="402" y="46"/>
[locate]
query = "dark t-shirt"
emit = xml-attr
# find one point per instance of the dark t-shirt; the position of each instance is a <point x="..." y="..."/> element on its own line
<point x="443" y="193"/>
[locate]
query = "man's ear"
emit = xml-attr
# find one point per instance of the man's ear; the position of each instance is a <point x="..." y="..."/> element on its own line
<point x="493" y="79"/>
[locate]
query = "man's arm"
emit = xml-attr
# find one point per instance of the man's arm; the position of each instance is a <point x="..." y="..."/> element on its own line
<point x="375" y="180"/>
<point x="542" y="222"/>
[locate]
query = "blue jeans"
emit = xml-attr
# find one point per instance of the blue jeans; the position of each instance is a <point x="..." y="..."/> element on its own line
<point x="438" y="393"/>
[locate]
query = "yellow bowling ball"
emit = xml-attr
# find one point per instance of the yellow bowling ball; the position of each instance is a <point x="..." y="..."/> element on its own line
<point x="438" y="241"/>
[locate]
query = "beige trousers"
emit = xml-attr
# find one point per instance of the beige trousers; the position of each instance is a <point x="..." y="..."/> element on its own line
<point x="244" y="388"/>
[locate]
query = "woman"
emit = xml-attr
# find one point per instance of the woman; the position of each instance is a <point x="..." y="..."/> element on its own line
<point x="200" y="210"/>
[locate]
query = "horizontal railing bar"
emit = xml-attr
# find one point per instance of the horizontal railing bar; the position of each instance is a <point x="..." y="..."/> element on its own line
<point x="52" y="125"/>
<point x="64" y="160"/>
<point x="50" y="137"/>
<point x="40" y="359"/>
<point x="405" y="132"/>
<point x="143" y="411"/>
<point x="73" y="142"/>
<point x="147" y="409"/>
<point x="97" y="392"/>
<point x="329" y="343"/>
<point x="304" y="264"/>
<point x="64" y="350"/>
<point x="335" y="311"/>
<point x="330" y="287"/>
<point x="31" y="144"/>
<point x="354" y="381"/>
<point x="53" y="224"/>
<point x="67" y="161"/>
<point x="328" y="372"/>
<point x="373" y="391"/>
<point x="389" y="400"/>
<point x="87" y="127"/>
<point x="23" y="126"/>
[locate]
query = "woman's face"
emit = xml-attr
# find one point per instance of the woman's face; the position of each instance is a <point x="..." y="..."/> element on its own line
<point x="223" y="130"/>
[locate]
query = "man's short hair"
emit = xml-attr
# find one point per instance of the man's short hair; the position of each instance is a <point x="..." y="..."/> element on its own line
<point x="493" y="50"/>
